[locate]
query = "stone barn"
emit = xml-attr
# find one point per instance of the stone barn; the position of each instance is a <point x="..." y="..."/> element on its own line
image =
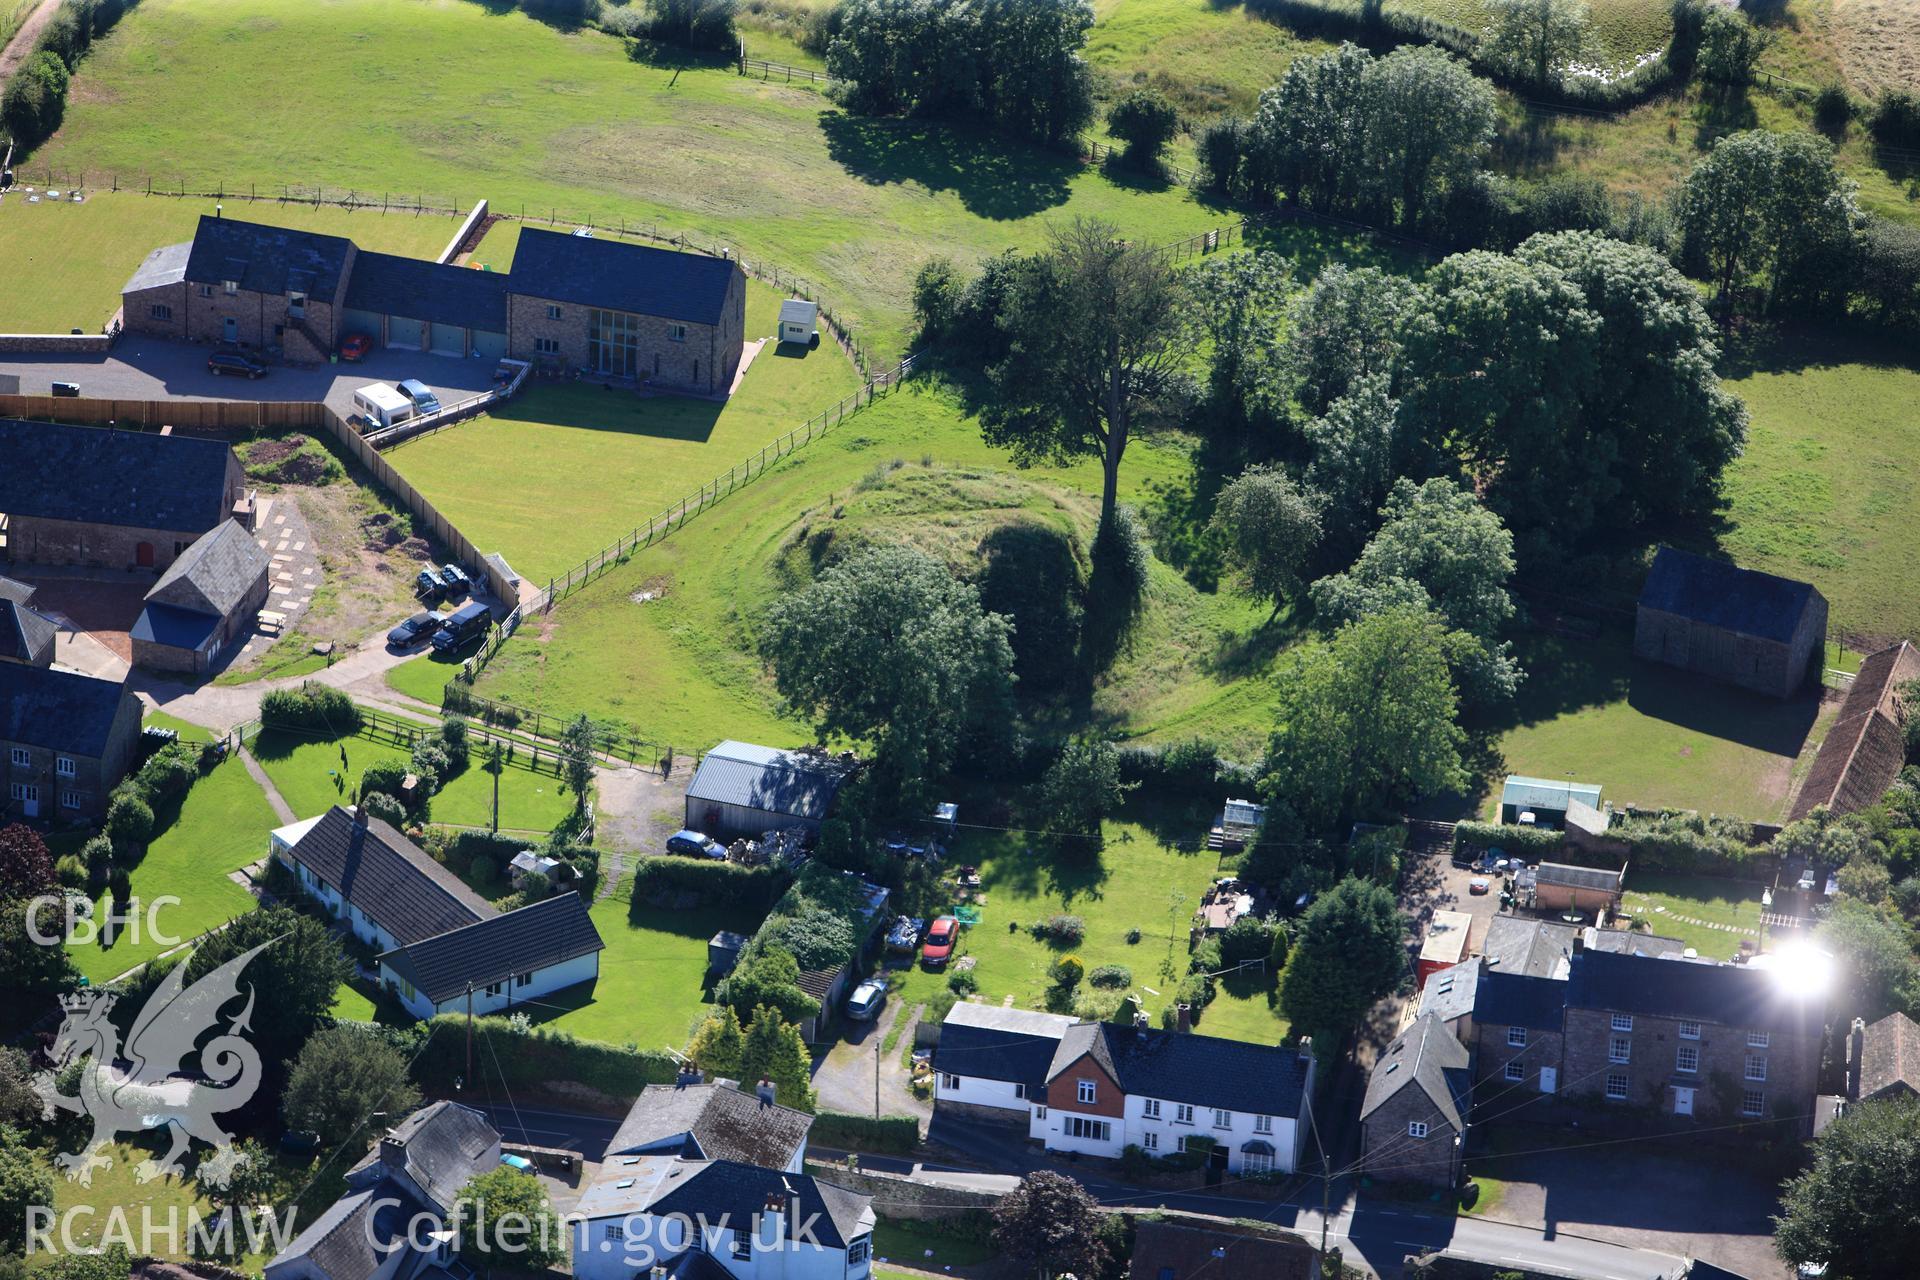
<point x="208" y="598"/>
<point x="1741" y="626"/>
<point x="111" y="499"/>
<point x="1867" y="745"/>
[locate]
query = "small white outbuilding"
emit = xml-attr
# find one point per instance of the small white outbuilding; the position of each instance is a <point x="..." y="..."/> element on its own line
<point x="798" y="319"/>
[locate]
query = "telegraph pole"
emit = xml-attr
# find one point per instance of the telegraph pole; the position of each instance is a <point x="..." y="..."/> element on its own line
<point x="1326" y="1180"/>
<point x="470" y="1031"/>
<point x="876" y="1074"/>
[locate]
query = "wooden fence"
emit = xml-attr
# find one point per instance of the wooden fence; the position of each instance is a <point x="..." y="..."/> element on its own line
<point x="200" y="415"/>
<point x="781" y="71"/>
<point x="611" y="739"/>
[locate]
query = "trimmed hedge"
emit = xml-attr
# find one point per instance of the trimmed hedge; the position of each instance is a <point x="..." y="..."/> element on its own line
<point x="751" y="888"/>
<point x="534" y="1057"/>
<point x="889" y="1135"/>
<point x="311" y="706"/>
<point x="1531" y="843"/>
<point x="1688" y="843"/>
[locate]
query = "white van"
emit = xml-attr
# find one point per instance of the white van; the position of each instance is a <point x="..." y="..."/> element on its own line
<point x="381" y="405"/>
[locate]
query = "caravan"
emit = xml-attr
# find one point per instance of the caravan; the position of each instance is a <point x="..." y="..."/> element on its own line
<point x="382" y="406"/>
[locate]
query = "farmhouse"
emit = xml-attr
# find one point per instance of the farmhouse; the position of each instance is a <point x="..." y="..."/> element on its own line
<point x="66" y="740"/>
<point x="1104" y="1087"/>
<point x="1866" y="747"/>
<point x="112" y="499"/>
<point x="574" y="302"/>
<point x="742" y="790"/>
<point x="204" y="600"/>
<point x="1745" y="627"/>
<point x="437" y="939"/>
<point x="392" y="1223"/>
<point x="1413" y="1123"/>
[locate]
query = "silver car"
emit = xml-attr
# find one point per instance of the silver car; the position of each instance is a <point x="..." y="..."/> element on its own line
<point x="867" y="998"/>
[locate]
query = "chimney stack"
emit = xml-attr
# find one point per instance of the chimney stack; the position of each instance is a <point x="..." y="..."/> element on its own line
<point x="1306" y="1051"/>
<point x="766" y="1092"/>
<point x="1183" y="1017"/>
<point x="358" y="814"/>
<point x="1856" y="1046"/>
<point x="393" y="1152"/>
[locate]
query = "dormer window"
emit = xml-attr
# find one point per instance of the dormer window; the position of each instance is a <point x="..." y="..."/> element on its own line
<point x="230" y="287"/>
<point x="296" y="304"/>
<point x="858" y="1250"/>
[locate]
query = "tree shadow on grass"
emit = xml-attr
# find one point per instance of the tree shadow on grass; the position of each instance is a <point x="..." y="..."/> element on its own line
<point x="546" y="14"/>
<point x="594" y="407"/>
<point x="1792" y="348"/>
<point x="993" y="176"/>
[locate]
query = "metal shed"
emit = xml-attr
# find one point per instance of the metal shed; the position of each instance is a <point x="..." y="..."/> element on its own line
<point x="745" y="790"/>
<point x="798" y="320"/>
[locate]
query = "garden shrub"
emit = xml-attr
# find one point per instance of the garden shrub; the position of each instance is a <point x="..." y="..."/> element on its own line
<point x="534" y="1057"/>
<point x="888" y="1135"/>
<point x="454" y="742"/>
<point x="962" y="982"/>
<point x="1067" y="970"/>
<point x="1196" y="989"/>
<point x="314" y="707"/>
<point x="752" y="889"/>
<point x="385" y="807"/>
<point x="1111" y="976"/>
<point x="1534" y="844"/>
<point x="169" y="772"/>
<point x="1062" y="930"/>
<point x="383" y="775"/>
<point x="1206" y="957"/>
<point x="1133" y="937"/>
<point x="940" y="1006"/>
<point x="71" y="871"/>
<point x="129" y="824"/>
<point x="1247" y="939"/>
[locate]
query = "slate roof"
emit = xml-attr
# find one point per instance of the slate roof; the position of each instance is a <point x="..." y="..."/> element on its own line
<point x="392" y="881"/>
<point x="64" y="711"/>
<point x="991" y="1042"/>
<point x="264" y="259"/>
<point x="1864" y="750"/>
<point x="799" y="785"/>
<point x="1515" y="1000"/>
<point x="1560" y="873"/>
<point x="432" y="291"/>
<point x="165" y="265"/>
<point x="711" y="1122"/>
<point x="1425" y="1056"/>
<point x="137" y="479"/>
<point x="1450" y="992"/>
<point x="176" y="628"/>
<point x="1179" y="1251"/>
<point x="25" y="636"/>
<point x="621" y="277"/>
<point x="537" y="936"/>
<point x="215" y="574"/>
<point x="1744" y="601"/>
<point x="16" y="591"/>
<point x="1889" y="1058"/>
<point x="344" y="1241"/>
<point x="1203" y="1070"/>
<point x="1730" y="995"/>
<point x="444" y="1143"/>
<point x="1631" y="942"/>
<point x="739" y="1192"/>
<point x="1535" y="948"/>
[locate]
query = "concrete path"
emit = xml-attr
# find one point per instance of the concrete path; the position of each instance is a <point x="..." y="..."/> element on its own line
<point x="279" y="802"/>
<point x="844" y="1076"/>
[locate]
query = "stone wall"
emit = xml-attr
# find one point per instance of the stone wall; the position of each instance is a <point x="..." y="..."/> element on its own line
<point x="94" y="777"/>
<point x="1792" y="1065"/>
<point x="1390" y="1153"/>
<point x="897" y="1196"/>
<point x="34" y="540"/>
<point x="54" y="344"/>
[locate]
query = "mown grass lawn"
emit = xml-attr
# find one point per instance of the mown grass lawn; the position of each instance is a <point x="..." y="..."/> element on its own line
<point x="563" y="470"/>
<point x="309" y="774"/>
<point x="1148" y="876"/>
<point x="652" y="986"/>
<point x="220" y="827"/>
<point x="188" y="731"/>
<point x="1650" y="734"/>
<point x="1210" y="57"/>
<point x="490" y="102"/>
<point x="1661" y="900"/>
<point x="67" y="262"/>
<point x="680" y="666"/>
<point x="913" y="1244"/>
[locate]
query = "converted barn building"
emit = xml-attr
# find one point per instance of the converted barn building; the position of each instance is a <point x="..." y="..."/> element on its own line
<point x="112" y="499"/>
<point x="741" y="790"/>
<point x="1864" y="750"/>
<point x="207" y="598"/>
<point x="1747" y="628"/>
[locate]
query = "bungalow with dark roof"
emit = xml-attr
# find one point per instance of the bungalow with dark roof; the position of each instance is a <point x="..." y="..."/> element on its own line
<point x="113" y="499"/>
<point x="1748" y="628"/>
<point x="205" y="600"/>
<point x="1867" y="746"/>
<point x="66" y="740"/>
<point x="437" y="939"/>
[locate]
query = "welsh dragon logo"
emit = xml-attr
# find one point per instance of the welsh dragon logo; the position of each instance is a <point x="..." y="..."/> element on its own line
<point x="138" y="1088"/>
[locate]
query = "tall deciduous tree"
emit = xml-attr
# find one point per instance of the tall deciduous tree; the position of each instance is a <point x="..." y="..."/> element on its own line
<point x="890" y="648"/>
<point x="1239" y="300"/>
<point x="1146" y="122"/>
<point x="1536" y="39"/>
<point x="508" y="1221"/>
<point x="1050" y="1222"/>
<point x="1344" y="330"/>
<point x="1082" y="787"/>
<point x="1096" y="337"/>
<point x="26" y="1182"/>
<point x="1873" y="951"/>
<point x="1730" y="46"/>
<point x="1769" y="202"/>
<point x="26" y="868"/>
<point x="1357" y="452"/>
<point x="1348" y="951"/>
<point x="576" y="758"/>
<point x="1270" y="527"/>
<point x="343" y="1075"/>
<point x="296" y="977"/>
<point x="1856" y="1211"/>
<point x="1429" y="122"/>
<point x="1365" y="721"/>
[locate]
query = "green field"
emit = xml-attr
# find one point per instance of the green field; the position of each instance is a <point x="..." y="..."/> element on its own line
<point x="188" y="731"/>
<point x="67" y="262"/>
<point x="1660" y="901"/>
<point x="611" y="460"/>
<point x="489" y="102"/>
<point x="1623" y="30"/>
<point x="679" y="665"/>
<point x="1649" y="734"/>
<point x="911" y="1243"/>
<point x="1149" y="877"/>
<point x="220" y="827"/>
<point x="308" y="774"/>
<point x="651" y="988"/>
<point x="1827" y="488"/>
<point x="1206" y="56"/>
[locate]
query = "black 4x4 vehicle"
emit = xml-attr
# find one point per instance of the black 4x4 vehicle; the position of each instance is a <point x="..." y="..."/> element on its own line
<point x="236" y="362"/>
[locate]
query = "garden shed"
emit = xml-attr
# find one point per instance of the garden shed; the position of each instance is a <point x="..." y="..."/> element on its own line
<point x="798" y="320"/>
<point x="743" y="790"/>
<point x="1748" y="628"/>
<point x="1543" y="802"/>
<point x="723" y="951"/>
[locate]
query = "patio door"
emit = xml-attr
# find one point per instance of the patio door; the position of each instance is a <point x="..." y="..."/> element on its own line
<point x="1682" y="1101"/>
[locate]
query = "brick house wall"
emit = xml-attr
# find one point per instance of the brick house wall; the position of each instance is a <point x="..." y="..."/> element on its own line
<point x="704" y="362"/>
<point x="1565" y="897"/>
<point x="1389" y="1151"/>
<point x="1653" y="1070"/>
<point x="94" y="777"/>
<point x="1063" y="1091"/>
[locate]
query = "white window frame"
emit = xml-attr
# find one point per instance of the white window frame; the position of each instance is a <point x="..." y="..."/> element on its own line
<point x="21" y="757"/>
<point x="1416" y="1128"/>
<point x="1020" y="1092"/>
<point x="65" y="767"/>
<point x="1686" y="1059"/>
<point x="1753" y="1102"/>
<point x="1263" y="1124"/>
<point x="159" y="311"/>
<point x="1689" y="1031"/>
<point x="1621" y="1078"/>
<point x="1756" y="1068"/>
<point x="230" y="287"/>
<point x="72" y="800"/>
<point x="1516" y="1037"/>
<point x="676" y="333"/>
<point x="1183" y="1113"/>
<point x="1150" y="1141"/>
<point x="616" y="1232"/>
<point x="1256" y="1162"/>
<point x="1623" y="1022"/>
<point x="1086" y="1091"/>
<point x="494" y="988"/>
<point x="1620" y="1049"/>
<point x="546" y="346"/>
<point x="1150" y="1108"/>
<point x="1040" y="1112"/>
<point x="25" y="792"/>
<point x="1088" y="1129"/>
<point x="858" y="1251"/>
<point x="1515" y="1070"/>
<point x="553" y="311"/>
<point x="1759" y="1039"/>
<point x="1222" y="1118"/>
<point x="206" y="291"/>
<point x="948" y="1080"/>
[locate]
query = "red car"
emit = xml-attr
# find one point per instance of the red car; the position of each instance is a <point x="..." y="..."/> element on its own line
<point x="356" y="347"/>
<point x="942" y="934"/>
